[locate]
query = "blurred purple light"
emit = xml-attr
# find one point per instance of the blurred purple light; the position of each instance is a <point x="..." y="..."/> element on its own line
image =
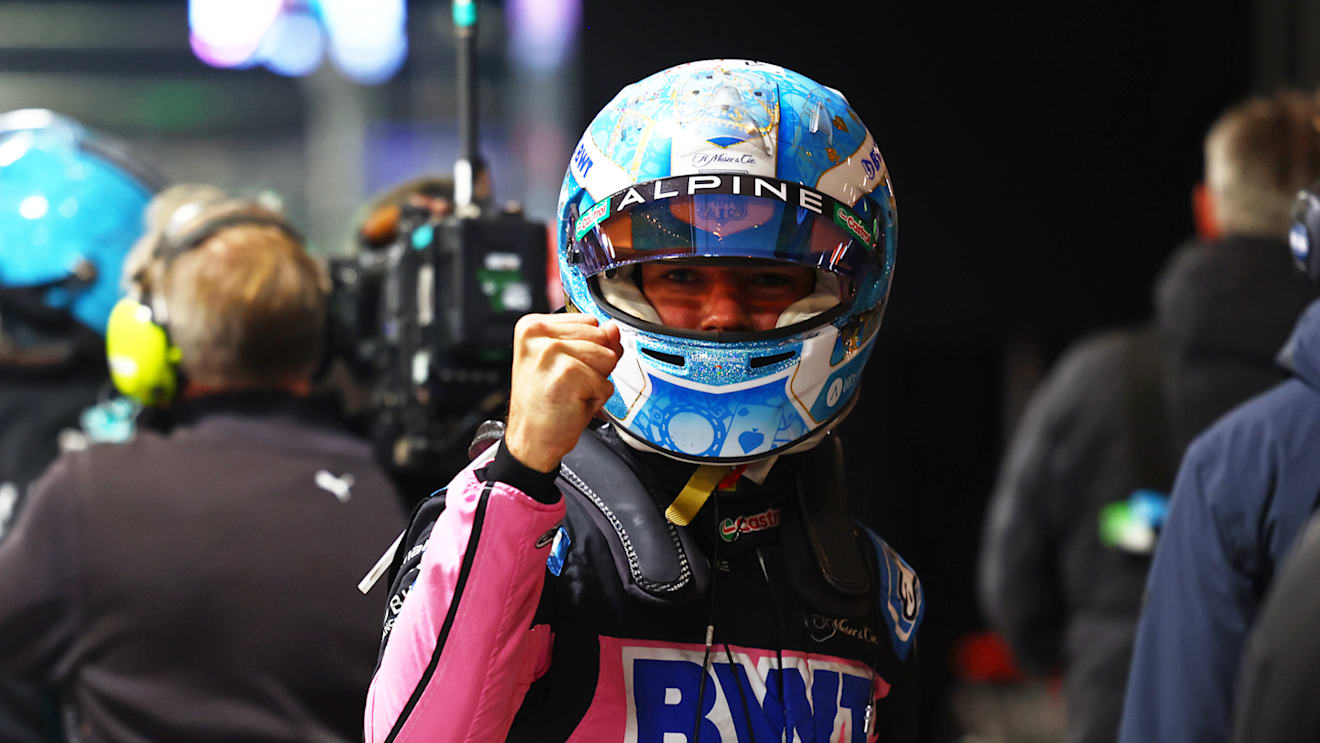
<point x="295" y="45"/>
<point x="368" y="40"/>
<point x="227" y="33"/>
<point x="543" y="31"/>
<point x="370" y="65"/>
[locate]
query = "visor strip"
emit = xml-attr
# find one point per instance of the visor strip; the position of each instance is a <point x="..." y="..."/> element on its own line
<point x="732" y="184"/>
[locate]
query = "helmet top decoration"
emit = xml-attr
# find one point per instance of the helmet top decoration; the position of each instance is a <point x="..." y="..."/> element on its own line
<point x="71" y="207"/>
<point x="739" y="162"/>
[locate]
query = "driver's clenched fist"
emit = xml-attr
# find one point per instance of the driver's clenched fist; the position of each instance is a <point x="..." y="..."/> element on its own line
<point x="561" y="365"/>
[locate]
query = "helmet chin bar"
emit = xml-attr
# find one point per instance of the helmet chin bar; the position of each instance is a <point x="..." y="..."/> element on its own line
<point x="805" y="443"/>
<point x="622" y="293"/>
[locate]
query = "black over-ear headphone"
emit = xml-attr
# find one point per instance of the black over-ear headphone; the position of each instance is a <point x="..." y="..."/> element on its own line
<point x="1304" y="232"/>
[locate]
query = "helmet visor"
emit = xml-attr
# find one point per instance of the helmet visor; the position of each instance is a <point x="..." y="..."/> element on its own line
<point x="726" y="216"/>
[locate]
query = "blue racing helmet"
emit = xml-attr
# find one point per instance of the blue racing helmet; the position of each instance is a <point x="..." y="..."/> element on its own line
<point x="71" y="207"/>
<point x="736" y="161"/>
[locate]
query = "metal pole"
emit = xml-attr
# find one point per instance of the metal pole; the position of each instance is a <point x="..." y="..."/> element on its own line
<point x="465" y="31"/>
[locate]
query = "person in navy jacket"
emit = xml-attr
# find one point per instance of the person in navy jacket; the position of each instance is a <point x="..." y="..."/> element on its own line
<point x="1243" y="495"/>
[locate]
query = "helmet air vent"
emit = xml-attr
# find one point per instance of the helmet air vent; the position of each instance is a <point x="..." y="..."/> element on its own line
<point x="760" y="361"/>
<point x="668" y="358"/>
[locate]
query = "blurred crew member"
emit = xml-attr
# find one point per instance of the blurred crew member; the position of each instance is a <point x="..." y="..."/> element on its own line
<point x="71" y="206"/>
<point x="1246" y="486"/>
<point x="687" y="568"/>
<point x="196" y="582"/>
<point x="380" y="222"/>
<point x="1073" y="519"/>
<point x="1275" y="697"/>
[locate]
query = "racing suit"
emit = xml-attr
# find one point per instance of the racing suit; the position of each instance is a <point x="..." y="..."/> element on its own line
<point x="538" y="611"/>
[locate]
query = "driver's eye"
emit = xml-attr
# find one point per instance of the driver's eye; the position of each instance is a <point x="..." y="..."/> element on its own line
<point x="680" y="276"/>
<point x="771" y="279"/>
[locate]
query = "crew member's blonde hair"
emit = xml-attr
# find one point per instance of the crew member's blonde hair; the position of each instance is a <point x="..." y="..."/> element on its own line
<point x="246" y="306"/>
<point x="1258" y="155"/>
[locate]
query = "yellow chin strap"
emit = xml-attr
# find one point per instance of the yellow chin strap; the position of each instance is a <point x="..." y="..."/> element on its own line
<point x="697" y="491"/>
<point x="142" y="359"/>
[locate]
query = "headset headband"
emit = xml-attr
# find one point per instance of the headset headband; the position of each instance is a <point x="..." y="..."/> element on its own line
<point x="169" y="248"/>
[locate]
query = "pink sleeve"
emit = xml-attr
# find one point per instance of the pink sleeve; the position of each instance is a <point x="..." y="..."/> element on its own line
<point x="463" y="650"/>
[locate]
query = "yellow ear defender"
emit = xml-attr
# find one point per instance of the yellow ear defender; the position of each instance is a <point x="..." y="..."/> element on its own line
<point x="142" y="358"/>
<point x="143" y="361"/>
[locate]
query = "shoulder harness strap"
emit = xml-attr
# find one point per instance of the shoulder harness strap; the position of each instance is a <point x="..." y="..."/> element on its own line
<point x="825" y="553"/>
<point x="657" y="562"/>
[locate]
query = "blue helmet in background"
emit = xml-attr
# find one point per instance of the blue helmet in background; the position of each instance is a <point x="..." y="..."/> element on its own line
<point x="71" y="207"/>
<point x="730" y="160"/>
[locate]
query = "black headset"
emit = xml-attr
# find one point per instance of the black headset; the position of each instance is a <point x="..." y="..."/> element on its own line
<point x="1304" y="232"/>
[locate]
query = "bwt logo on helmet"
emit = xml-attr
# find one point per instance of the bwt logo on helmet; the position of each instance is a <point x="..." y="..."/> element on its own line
<point x="823" y="701"/>
<point x="731" y="529"/>
<point x="582" y="161"/>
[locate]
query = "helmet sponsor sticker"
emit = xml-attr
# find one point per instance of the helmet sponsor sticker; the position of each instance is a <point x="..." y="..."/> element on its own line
<point x="856" y="175"/>
<point x="826" y="396"/>
<point x="835" y="391"/>
<point x="582" y="162"/>
<point x="849" y="221"/>
<point x="594" y="171"/>
<point x="720" y="159"/>
<point x="592" y="217"/>
<point x="731" y="529"/>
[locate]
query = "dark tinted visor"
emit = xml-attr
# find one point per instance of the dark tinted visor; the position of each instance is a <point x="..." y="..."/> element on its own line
<point x="725" y="216"/>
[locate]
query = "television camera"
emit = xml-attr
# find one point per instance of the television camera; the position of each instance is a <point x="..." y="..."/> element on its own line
<point x="423" y="315"/>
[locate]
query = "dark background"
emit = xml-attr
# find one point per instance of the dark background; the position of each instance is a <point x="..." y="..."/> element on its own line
<point x="1043" y="157"/>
